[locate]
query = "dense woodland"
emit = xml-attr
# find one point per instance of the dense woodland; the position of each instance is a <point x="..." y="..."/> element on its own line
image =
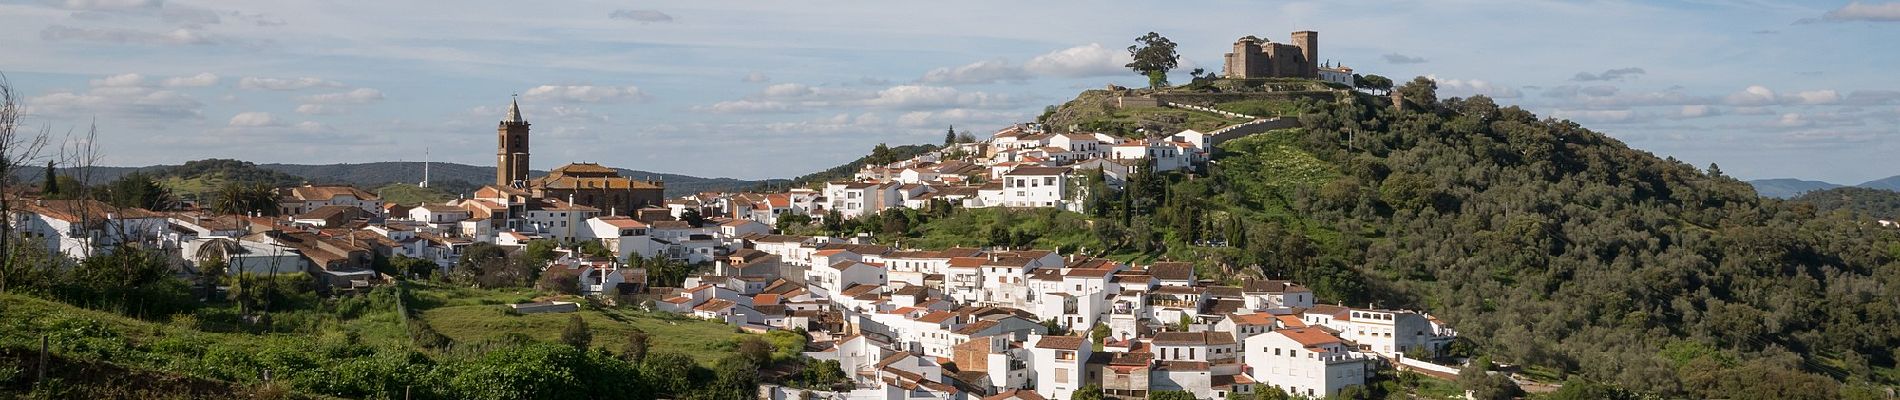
<point x="1862" y="203"/>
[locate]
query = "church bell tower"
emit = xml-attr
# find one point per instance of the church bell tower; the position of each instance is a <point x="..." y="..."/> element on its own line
<point x="511" y="154"/>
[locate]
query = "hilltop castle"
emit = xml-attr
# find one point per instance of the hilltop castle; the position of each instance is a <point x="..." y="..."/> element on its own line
<point x="1261" y="58"/>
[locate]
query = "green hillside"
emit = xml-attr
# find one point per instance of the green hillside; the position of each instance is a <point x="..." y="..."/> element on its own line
<point x="355" y="347"/>
<point x="1551" y="246"/>
<point x="410" y="194"/>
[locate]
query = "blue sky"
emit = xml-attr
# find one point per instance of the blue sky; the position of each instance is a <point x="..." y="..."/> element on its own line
<point x="777" y="89"/>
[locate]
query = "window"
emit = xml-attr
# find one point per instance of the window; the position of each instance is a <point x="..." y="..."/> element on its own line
<point x="1062" y="375"/>
<point x="1051" y="181"/>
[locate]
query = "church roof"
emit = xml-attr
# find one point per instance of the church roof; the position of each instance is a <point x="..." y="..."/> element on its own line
<point x="514" y="112"/>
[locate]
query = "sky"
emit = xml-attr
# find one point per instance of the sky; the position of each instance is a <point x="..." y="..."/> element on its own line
<point x="1765" y="89"/>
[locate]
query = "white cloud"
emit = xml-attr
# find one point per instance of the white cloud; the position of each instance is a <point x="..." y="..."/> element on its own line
<point x="988" y="71"/>
<point x="957" y="116"/>
<point x="120" y="80"/>
<point x="1753" y="96"/>
<point x="746" y="107"/>
<point x="1088" y="60"/>
<point x="1474" y="87"/>
<point x="311" y="126"/>
<point x="641" y="15"/>
<point x="1596" y="116"/>
<point x="1757" y="95"/>
<point x="1871" y="12"/>
<point x="253" y="119"/>
<point x="1792" y="120"/>
<point x="1697" y="111"/>
<point x="584" y="93"/>
<point x="357" y="96"/>
<point x="180" y="36"/>
<point x="109" y="5"/>
<point x="251" y="82"/>
<point x="199" y="80"/>
<point x="915" y="96"/>
<point x="318" y="109"/>
<point x="117" y="103"/>
<point x="755" y="77"/>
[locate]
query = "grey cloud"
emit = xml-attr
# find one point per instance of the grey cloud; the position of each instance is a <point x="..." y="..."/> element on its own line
<point x="1610" y="75"/>
<point x="180" y="36"/>
<point x="1873" y="97"/>
<point x="641" y="15"/>
<point x="1397" y="58"/>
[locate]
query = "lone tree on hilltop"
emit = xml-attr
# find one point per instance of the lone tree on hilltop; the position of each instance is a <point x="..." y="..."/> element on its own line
<point x="1154" y="56"/>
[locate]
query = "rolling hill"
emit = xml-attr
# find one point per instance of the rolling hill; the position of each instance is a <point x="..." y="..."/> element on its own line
<point x="1785" y="188"/>
<point x="197" y="177"/>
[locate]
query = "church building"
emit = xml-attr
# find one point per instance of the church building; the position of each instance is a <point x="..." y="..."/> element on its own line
<point x="586" y="184"/>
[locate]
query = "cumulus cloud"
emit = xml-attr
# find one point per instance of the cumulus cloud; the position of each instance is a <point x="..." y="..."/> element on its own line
<point x="117" y="103"/>
<point x="1873" y="97"/>
<point x="180" y="36"/>
<point x="200" y="80"/>
<point x="1869" y="12"/>
<point x="584" y="93"/>
<point x="1757" y="96"/>
<point x="746" y="107"/>
<point x="253" y="119"/>
<point x="120" y="80"/>
<point x="1610" y="75"/>
<point x="257" y="83"/>
<point x="644" y="16"/>
<point x="1697" y="111"/>
<point x="1083" y="61"/>
<point x="109" y="5"/>
<point x="987" y="71"/>
<point x="1596" y="116"/>
<point x="1474" y="87"/>
<point x="356" y="96"/>
<point x="957" y="116"/>
<point x="1396" y="58"/>
<point x="318" y="109"/>
<point x="755" y="77"/>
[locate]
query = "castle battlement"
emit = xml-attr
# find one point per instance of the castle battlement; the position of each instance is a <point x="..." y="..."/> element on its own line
<point x="1254" y="57"/>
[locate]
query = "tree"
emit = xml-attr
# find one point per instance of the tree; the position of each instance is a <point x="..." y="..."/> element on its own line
<point x="1379" y="83"/>
<point x="950" y="136"/>
<point x="1087" y="392"/>
<point x="138" y="190"/>
<point x="670" y="372"/>
<point x="1185" y="322"/>
<point x="1268" y="392"/>
<point x="245" y="199"/>
<point x="576" y="334"/>
<point x="755" y="349"/>
<point x="540" y="251"/>
<point x="1153" y="57"/>
<point x="635" y="351"/>
<point x="1421" y="93"/>
<point x="692" y="217"/>
<point x="880" y="155"/>
<point x="1483" y="385"/>
<point x="560" y="280"/>
<point x="1170" y="395"/>
<point x="1100" y="333"/>
<point x="50" y="186"/>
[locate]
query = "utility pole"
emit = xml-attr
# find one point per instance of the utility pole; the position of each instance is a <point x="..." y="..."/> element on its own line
<point x="42" y="371"/>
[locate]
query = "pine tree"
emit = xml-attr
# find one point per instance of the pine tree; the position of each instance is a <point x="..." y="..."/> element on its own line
<point x="950" y="136"/>
<point x="51" y="186"/>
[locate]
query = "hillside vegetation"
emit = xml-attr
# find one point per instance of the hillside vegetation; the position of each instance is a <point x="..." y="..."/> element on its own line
<point x="1552" y="246"/>
<point x="1864" y="203"/>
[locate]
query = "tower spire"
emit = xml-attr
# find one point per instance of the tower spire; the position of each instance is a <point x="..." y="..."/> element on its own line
<point x="514" y="109"/>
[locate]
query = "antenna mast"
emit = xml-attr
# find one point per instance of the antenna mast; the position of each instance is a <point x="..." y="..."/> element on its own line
<point x="425" y="168"/>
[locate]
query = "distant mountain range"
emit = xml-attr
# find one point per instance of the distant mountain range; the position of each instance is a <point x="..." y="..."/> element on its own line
<point x="450" y="177"/>
<point x="1787" y="188"/>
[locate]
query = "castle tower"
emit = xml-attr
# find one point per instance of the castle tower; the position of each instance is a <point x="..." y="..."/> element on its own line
<point x="511" y="154"/>
<point x="1308" y="42"/>
<point x="1246" y="60"/>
